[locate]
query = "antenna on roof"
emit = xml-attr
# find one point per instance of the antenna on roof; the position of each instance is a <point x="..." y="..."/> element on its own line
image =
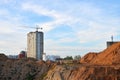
<point x="112" y="38"/>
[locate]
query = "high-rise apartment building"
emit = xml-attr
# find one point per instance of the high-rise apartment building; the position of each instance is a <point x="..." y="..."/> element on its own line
<point x="35" y="47"/>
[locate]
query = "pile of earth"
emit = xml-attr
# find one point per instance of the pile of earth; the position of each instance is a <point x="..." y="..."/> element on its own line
<point x="23" y="69"/>
<point x="110" y="56"/>
<point x="3" y="57"/>
<point x="93" y="66"/>
<point x="83" y="72"/>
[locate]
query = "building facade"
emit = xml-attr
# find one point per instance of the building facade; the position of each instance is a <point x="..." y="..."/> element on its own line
<point x="35" y="45"/>
<point x="109" y="43"/>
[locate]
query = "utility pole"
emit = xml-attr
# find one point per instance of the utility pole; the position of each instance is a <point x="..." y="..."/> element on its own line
<point x="112" y="38"/>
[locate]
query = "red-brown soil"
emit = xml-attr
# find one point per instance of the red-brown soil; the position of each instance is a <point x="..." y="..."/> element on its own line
<point x="109" y="56"/>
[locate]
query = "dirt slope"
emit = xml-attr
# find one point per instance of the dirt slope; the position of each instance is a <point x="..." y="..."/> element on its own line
<point x="83" y="72"/>
<point x="109" y="56"/>
<point x="23" y="69"/>
<point x="88" y="57"/>
<point x="94" y="66"/>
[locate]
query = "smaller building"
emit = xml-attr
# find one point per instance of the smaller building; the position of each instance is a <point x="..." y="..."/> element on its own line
<point x="12" y="56"/>
<point x="109" y="43"/>
<point x="44" y="56"/>
<point x="22" y="54"/>
<point x="52" y="57"/>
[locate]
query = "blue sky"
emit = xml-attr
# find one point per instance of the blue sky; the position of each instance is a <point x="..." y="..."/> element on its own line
<point x="71" y="27"/>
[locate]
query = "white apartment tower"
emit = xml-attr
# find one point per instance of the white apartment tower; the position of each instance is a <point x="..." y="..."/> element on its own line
<point x="35" y="45"/>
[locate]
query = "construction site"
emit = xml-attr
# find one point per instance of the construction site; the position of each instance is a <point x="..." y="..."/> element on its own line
<point x="104" y="65"/>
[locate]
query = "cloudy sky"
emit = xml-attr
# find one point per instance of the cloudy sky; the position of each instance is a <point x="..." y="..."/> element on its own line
<point x="71" y="27"/>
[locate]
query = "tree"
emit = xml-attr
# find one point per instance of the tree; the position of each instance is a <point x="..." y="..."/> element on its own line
<point x="77" y="57"/>
<point x="68" y="58"/>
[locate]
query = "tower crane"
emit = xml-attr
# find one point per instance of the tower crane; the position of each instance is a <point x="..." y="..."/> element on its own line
<point x="37" y="27"/>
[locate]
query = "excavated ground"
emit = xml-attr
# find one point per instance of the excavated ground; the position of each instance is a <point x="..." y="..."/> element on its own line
<point x="93" y="66"/>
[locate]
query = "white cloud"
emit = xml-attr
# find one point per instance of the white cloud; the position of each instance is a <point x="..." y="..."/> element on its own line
<point x="40" y="10"/>
<point x="87" y="15"/>
<point x="96" y="31"/>
<point x="12" y="40"/>
<point x="67" y="40"/>
<point x="6" y="27"/>
<point x="3" y="13"/>
<point x="58" y="18"/>
<point x="88" y="22"/>
<point x="5" y="1"/>
<point x="52" y="47"/>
